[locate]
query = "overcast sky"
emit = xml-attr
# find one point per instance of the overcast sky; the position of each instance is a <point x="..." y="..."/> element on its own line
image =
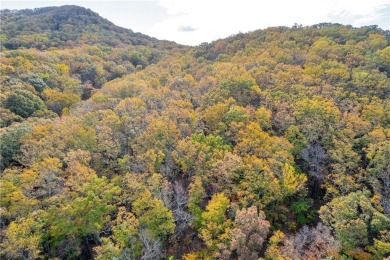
<point x="195" y="21"/>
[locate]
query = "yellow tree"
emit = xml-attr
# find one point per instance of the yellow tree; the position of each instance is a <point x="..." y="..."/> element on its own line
<point x="24" y="237"/>
<point x="215" y="225"/>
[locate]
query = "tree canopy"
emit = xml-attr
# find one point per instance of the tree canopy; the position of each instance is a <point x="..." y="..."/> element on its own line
<point x="272" y="144"/>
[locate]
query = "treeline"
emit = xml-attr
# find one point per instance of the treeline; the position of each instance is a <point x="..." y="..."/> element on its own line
<point x="272" y="144"/>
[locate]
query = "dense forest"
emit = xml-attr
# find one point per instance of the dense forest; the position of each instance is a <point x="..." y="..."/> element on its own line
<point x="273" y="144"/>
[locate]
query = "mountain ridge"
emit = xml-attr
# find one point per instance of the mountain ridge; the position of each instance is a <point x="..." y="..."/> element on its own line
<point x="68" y="23"/>
<point x="87" y="16"/>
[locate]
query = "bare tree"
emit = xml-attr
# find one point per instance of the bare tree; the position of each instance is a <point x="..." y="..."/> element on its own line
<point x="310" y="243"/>
<point x="314" y="156"/>
<point x="247" y="238"/>
<point x="182" y="218"/>
<point x="152" y="248"/>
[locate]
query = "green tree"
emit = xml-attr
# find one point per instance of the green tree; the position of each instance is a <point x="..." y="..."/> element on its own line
<point x="10" y="142"/>
<point x="154" y="216"/>
<point x="196" y="195"/>
<point x="83" y="215"/>
<point x="24" y="103"/>
<point x="354" y="219"/>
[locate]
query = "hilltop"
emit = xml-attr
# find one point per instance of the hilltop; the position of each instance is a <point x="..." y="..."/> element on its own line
<point x="70" y="49"/>
<point x="66" y="26"/>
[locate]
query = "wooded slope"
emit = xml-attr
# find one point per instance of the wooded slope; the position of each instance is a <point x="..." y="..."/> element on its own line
<point x="273" y="144"/>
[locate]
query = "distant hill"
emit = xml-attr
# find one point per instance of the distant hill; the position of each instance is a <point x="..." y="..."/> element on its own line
<point x="302" y="35"/>
<point x="65" y="26"/>
<point x="90" y="50"/>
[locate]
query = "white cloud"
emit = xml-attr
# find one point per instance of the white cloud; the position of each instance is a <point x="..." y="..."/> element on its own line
<point x="216" y="19"/>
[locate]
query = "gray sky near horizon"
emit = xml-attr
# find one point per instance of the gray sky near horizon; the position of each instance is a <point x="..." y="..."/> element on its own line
<point x="192" y="22"/>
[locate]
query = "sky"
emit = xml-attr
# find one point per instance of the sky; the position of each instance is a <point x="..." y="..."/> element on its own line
<point x="192" y="22"/>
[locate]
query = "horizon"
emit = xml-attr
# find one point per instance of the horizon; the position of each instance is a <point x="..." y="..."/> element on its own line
<point x="188" y="23"/>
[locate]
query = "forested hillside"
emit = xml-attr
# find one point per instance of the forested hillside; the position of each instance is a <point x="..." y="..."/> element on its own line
<point x="274" y="144"/>
<point x="65" y="27"/>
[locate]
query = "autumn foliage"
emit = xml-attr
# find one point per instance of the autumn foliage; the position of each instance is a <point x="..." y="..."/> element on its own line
<point x="272" y="144"/>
